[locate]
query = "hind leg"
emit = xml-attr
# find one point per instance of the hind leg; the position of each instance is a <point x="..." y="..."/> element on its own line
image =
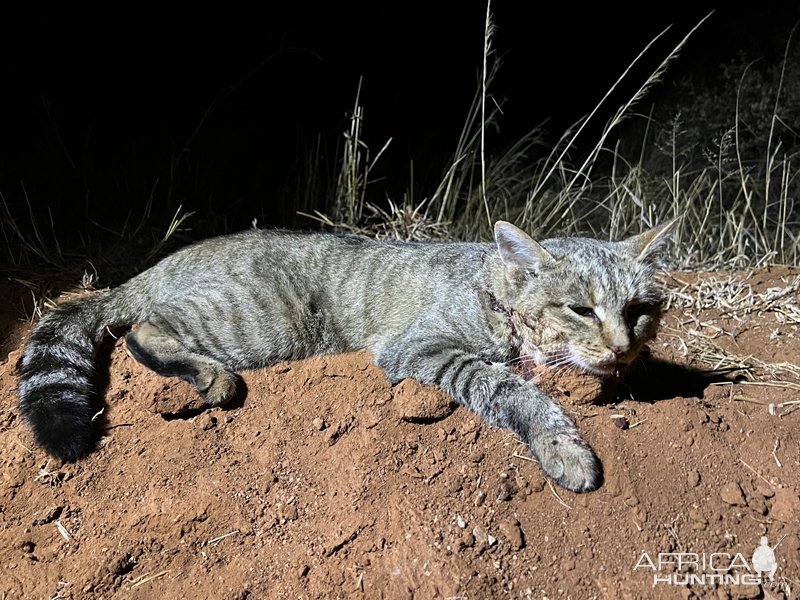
<point x="160" y="351"/>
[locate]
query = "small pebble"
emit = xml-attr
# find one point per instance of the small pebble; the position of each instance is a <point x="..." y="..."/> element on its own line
<point x="476" y="457"/>
<point x="289" y="512"/>
<point x="732" y="494"/>
<point x="693" y="478"/>
<point x="785" y="506"/>
<point x="479" y="498"/>
<point x="696" y="515"/>
<point x="467" y="539"/>
<point x="512" y="533"/>
<point x="206" y="421"/>
<point x="698" y="521"/>
<point x="454" y="485"/>
<point x="765" y="490"/>
<point x="537" y="485"/>
<point x="621" y="422"/>
<point x="481" y="535"/>
<point x="507" y="491"/>
<point x="460" y="522"/>
<point x="414" y="406"/>
<point x="51" y="515"/>
<point x="318" y="423"/>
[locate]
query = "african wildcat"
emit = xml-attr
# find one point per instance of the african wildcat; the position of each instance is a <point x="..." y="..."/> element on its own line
<point x="448" y="314"/>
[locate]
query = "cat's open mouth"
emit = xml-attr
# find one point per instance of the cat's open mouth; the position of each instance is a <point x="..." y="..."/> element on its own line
<point x="603" y="369"/>
<point x="530" y="369"/>
<point x="565" y="356"/>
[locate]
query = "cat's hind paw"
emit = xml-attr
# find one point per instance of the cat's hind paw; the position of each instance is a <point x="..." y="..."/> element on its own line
<point x="216" y="386"/>
<point x="569" y="461"/>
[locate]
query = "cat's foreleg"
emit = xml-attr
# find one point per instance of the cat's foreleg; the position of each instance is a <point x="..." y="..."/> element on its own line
<point x="502" y="399"/>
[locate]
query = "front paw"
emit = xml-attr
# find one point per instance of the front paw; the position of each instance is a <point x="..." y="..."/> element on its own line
<point x="568" y="460"/>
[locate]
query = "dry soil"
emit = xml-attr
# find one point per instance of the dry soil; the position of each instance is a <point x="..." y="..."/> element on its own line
<point x="327" y="482"/>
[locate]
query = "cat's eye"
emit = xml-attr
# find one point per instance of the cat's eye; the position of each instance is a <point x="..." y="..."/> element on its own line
<point x="637" y="309"/>
<point x="583" y="311"/>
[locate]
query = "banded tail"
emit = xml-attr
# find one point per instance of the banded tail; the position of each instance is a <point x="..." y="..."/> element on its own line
<point x="57" y="374"/>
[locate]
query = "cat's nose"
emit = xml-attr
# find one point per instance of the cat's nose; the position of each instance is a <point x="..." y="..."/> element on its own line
<point x="617" y="351"/>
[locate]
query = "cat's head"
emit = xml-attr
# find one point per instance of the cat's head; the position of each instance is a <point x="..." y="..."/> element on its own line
<point x="580" y="301"/>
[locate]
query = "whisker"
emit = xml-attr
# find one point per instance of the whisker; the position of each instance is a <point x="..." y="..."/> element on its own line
<point x="513" y="361"/>
<point x="524" y="359"/>
<point x="558" y="364"/>
<point x="561" y="359"/>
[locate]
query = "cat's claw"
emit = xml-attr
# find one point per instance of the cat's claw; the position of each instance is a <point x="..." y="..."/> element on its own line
<point x="569" y="461"/>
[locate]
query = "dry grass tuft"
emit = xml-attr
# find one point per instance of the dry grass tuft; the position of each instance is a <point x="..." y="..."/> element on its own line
<point x="732" y="297"/>
<point x="735" y="214"/>
<point x="404" y="222"/>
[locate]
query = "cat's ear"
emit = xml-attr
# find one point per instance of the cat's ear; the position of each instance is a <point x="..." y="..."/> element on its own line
<point x="649" y="245"/>
<point x="519" y="251"/>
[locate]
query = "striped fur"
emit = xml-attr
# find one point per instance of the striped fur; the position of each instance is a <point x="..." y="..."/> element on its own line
<point x="451" y="315"/>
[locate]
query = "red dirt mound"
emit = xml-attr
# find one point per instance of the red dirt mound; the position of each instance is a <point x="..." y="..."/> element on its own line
<point x="327" y="482"/>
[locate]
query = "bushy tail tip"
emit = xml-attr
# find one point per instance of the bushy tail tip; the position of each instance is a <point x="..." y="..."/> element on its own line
<point x="56" y="373"/>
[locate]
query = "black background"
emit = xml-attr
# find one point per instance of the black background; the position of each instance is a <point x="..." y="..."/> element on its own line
<point x="216" y="109"/>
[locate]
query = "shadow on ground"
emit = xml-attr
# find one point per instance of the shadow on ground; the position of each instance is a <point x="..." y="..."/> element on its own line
<point x="655" y="379"/>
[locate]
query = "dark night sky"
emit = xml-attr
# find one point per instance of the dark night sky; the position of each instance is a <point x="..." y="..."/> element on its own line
<point x="96" y="107"/>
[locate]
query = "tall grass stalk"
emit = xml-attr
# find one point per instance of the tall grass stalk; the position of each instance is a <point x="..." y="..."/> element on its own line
<point x="355" y="168"/>
<point x="731" y="218"/>
<point x="488" y="32"/>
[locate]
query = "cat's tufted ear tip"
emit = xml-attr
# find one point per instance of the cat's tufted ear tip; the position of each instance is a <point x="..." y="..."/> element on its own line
<point x="519" y="251"/>
<point x="504" y="229"/>
<point x="650" y="245"/>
